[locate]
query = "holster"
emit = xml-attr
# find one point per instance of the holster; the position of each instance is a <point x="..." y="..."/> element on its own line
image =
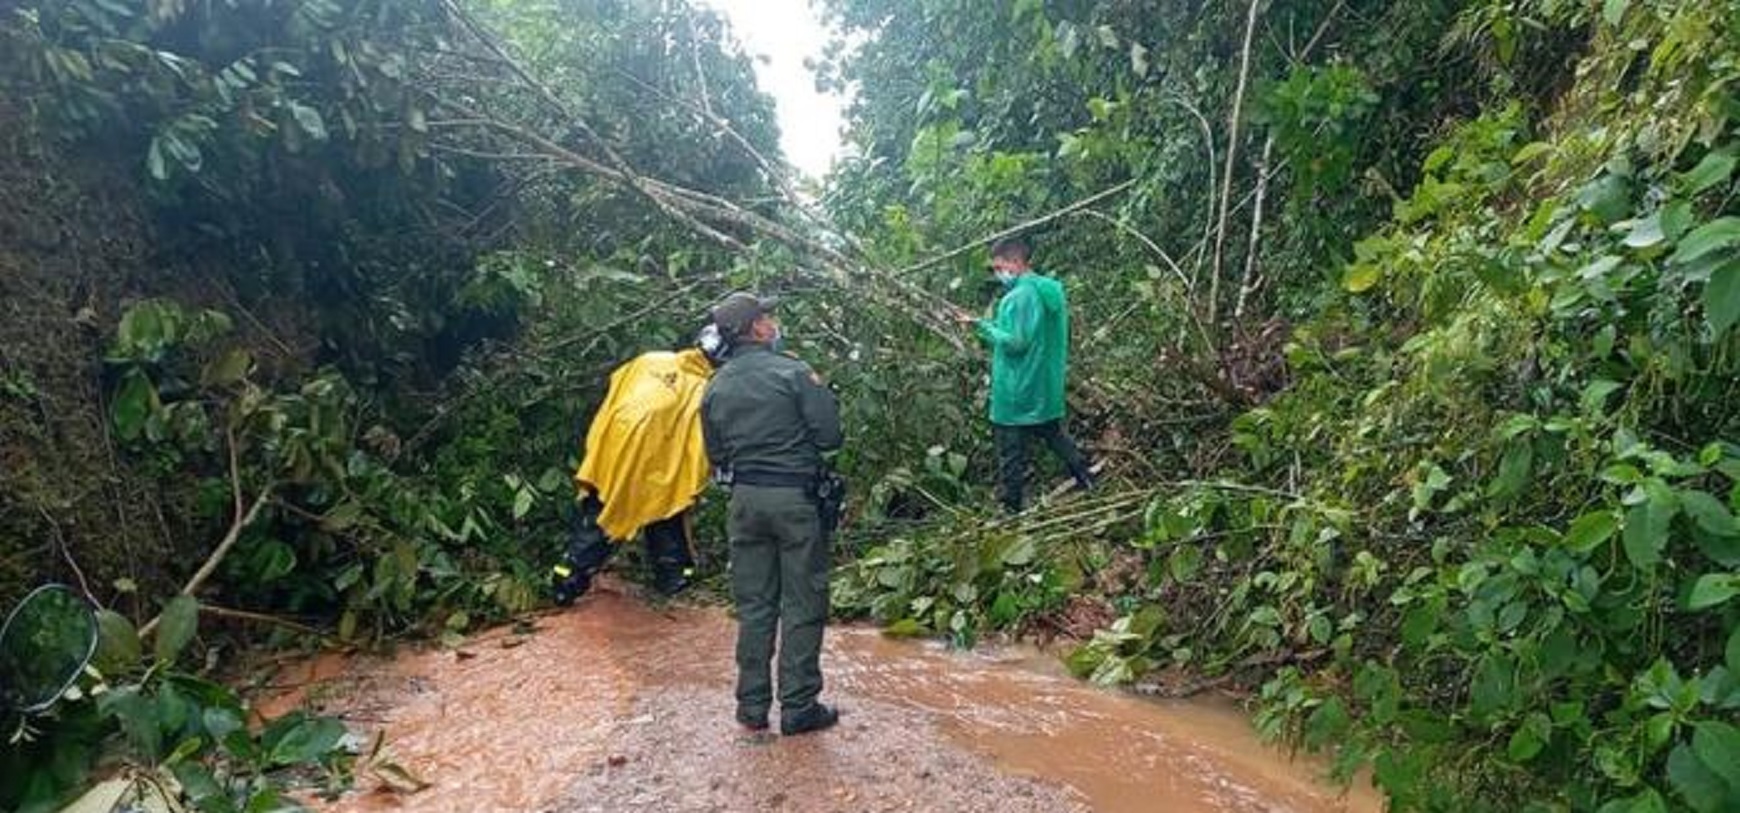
<point x="830" y="492"/>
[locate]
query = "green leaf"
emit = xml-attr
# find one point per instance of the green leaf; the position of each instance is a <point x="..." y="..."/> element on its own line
<point x="1360" y="277"/>
<point x="1594" y="400"/>
<point x="1184" y="562"/>
<point x="1021" y="553"/>
<point x="297" y="738"/>
<point x="275" y="561"/>
<point x="220" y="722"/>
<point x="1590" y="530"/>
<point x="1716" y="168"/>
<point x="175" y="629"/>
<point x="133" y="404"/>
<point x="1529" y="738"/>
<point x="309" y="120"/>
<point x="1709" y="512"/>
<point x="904" y="628"/>
<point x="1731" y="656"/>
<point x="1716" y="234"/>
<point x="1702" y="788"/>
<point x="1494" y="686"/>
<point x="228" y="368"/>
<point x="1722" y="298"/>
<point x="1613" y="11"/>
<point x="154" y="162"/>
<point x="1646" y="530"/>
<point x="1513" y="471"/>
<point x="197" y="782"/>
<point x="1717" y="745"/>
<point x="1645" y="232"/>
<point x="137" y="716"/>
<point x="1648" y="801"/>
<point x="265" y="800"/>
<point x="118" y="649"/>
<point x="1530" y="152"/>
<point x="1713" y="589"/>
<point x="1327" y="724"/>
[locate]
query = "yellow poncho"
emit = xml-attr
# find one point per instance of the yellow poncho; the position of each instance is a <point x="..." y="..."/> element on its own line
<point x="644" y="458"/>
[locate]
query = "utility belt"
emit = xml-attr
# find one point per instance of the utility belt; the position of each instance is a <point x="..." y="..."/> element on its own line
<point x="826" y="487"/>
<point x="773" y="479"/>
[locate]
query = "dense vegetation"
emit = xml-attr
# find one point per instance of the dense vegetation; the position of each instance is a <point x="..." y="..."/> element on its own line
<point x="1405" y="329"/>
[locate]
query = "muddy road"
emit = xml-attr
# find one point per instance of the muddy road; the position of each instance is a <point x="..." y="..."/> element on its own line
<point x="615" y="706"/>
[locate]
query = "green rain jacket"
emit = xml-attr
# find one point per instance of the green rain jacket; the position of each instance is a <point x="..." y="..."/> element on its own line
<point x="1029" y="341"/>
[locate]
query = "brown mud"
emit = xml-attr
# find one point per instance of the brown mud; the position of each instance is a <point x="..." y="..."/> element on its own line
<point x="615" y="706"/>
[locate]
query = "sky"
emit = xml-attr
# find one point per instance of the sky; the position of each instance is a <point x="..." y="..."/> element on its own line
<point x="786" y="32"/>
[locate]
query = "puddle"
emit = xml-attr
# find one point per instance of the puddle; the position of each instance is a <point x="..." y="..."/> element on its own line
<point x="613" y="705"/>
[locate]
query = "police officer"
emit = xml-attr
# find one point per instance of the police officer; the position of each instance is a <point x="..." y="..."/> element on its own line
<point x="767" y="419"/>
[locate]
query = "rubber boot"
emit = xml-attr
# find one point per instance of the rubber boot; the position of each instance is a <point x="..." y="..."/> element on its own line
<point x="588" y="551"/>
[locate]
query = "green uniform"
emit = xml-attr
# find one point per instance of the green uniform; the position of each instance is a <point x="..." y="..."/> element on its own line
<point x="1029" y="341"/>
<point x="767" y="419"/>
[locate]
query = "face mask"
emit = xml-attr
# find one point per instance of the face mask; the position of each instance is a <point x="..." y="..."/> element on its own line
<point x="1006" y="278"/>
<point x="777" y="343"/>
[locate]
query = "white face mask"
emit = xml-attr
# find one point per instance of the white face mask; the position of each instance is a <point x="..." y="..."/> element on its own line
<point x="1006" y="277"/>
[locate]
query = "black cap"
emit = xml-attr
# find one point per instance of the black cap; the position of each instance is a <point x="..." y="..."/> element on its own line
<point x="737" y="311"/>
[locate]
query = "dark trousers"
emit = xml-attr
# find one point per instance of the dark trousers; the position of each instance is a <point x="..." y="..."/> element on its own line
<point x="779" y="579"/>
<point x="667" y="548"/>
<point x="1012" y="458"/>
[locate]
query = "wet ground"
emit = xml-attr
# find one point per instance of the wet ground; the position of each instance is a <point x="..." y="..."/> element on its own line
<point x="615" y="706"/>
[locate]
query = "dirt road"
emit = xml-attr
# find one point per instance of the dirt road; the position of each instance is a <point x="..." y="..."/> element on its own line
<point x="613" y="706"/>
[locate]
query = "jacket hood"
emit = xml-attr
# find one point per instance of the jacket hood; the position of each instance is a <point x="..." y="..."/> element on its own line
<point x="1050" y="291"/>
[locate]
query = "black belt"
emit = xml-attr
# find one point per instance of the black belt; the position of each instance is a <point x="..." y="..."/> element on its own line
<point x="776" y="479"/>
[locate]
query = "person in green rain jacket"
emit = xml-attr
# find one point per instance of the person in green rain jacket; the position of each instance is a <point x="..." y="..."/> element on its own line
<point x="1029" y="343"/>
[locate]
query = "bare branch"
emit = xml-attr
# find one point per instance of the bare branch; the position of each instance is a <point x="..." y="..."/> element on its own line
<point x="1232" y="149"/>
<point x="1018" y="228"/>
<point x="1249" y="282"/>
<point x="242" y="519"/>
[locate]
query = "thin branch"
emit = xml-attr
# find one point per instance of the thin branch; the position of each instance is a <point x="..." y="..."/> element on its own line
<point x="1322" y="29"/>
<point x="446" y="410"/>
<point x="216" y="558"/>
<point x="488" y="156"/>
<point x="700" y="75"/>
<point x="1250" y="280"/>
<point x="779" y="172"/>
<point x="1208" y="144"/>
<point x="1189" y="305"/>
<point x="1143" y="239"/>
<point x="66" y="553"/>
<point x="625" y="171"/>
<point x="244" y="615"/>
<point x="1232" y="150"/>
<point x="1018" y="228"/>
<point x="242" y="520"/>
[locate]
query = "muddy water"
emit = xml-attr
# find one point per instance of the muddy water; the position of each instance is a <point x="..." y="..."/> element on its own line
<point x="613" y="706"/>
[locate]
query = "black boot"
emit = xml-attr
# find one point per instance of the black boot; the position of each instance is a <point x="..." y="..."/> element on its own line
<point x="816" y="717"/>
<point x="667" y="547"/>
<point x="588" y="550"/>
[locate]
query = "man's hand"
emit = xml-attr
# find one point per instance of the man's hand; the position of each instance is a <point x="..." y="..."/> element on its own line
<point x="962" y="315"/>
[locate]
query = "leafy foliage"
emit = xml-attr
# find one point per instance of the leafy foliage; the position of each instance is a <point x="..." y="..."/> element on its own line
<point x="1409" y="329"/>
<point x="164" y="733"/>
<point x="1483" y="544"/>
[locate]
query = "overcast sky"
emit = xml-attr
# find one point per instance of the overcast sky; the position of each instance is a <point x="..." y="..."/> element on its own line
<point x="786" y="32"/>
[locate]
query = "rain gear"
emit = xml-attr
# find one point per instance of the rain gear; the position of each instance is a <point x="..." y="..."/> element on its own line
<point x="644" y="455"/>
<point x="1029" y="341"/>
